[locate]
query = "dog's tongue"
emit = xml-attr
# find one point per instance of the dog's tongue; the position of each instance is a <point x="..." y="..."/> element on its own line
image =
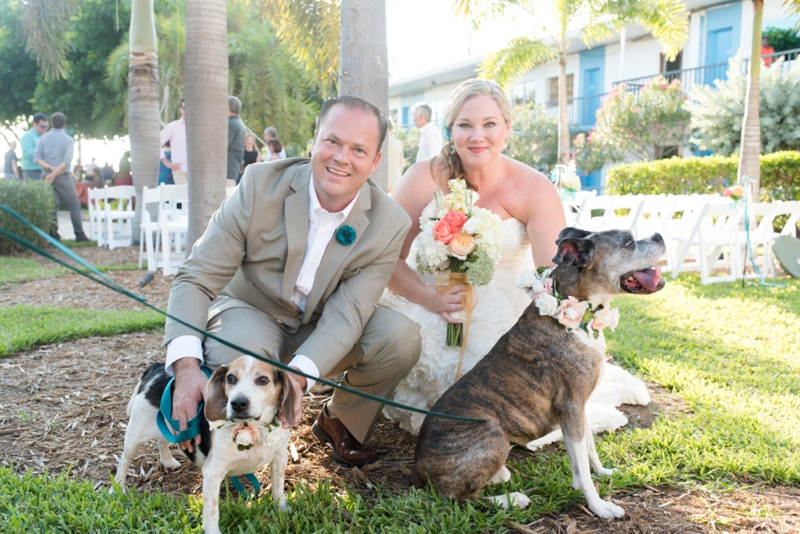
<point x="649" y="278"/>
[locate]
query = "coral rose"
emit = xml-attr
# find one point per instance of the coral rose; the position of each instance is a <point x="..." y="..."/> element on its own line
<point x="455" y="220"/>
<point x="442" y="232"/>
<point x="461" y="245"/>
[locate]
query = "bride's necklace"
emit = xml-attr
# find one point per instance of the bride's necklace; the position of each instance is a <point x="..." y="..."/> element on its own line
<point x="566" y="310"/>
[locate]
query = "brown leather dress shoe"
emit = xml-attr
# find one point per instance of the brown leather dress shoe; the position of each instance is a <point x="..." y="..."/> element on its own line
<point x="346" y="448"/>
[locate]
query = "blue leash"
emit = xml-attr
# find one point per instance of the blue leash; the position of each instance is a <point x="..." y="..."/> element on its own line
<point x="167" y="425"/>
<point x="751" y="256"/>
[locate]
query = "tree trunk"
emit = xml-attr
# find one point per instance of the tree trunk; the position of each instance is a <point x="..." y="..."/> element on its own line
<point x="206" y="75"/>
<point x="363" y="65"/>
<point x="143" y="125"/>
<point x="750" y="149"/>
<point x="563" y="116"/>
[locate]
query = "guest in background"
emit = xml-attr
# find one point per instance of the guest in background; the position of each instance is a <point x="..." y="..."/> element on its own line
<point x="54" y="154"/>
<point x="124" y="177"/>
<point x="430" y="140"/>
<point x="767" y="50"/>
<point x="30" y="170"/>
<point x="164" y="172"/>
<point x="275" y="150"/>
<point x="10" y="169"/>
<point x="236" y="133"/>
<point x="93" y="172"/>
<point x="175" y="133"/>
<point x="107" y="172"/>
<point x="270" y="134"/>
<point x="251" y="154"/>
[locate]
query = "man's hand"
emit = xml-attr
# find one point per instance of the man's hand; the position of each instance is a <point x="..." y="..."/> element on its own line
<point x="298" y="384"/>
<point x="50" y="177"/>
<point x="187" y="393"/>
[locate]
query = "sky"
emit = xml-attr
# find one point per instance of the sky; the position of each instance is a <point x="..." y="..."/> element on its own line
<point x="424" y="35"/>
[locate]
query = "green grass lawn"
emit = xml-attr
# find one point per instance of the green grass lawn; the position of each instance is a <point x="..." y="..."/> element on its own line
<point x="731" y="354"/>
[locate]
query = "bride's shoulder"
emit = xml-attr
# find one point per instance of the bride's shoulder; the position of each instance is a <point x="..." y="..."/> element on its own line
<point x="418" y="183"/>
<point x="524" y="176"/>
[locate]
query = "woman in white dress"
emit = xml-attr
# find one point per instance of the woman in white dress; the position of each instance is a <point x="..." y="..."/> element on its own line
<point x="478" y="116"/>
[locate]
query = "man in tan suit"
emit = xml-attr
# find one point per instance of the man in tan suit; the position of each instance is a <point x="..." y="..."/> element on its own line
<point x="292" y="267"/>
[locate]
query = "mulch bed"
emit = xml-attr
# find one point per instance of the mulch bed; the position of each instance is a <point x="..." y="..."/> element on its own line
<point x="63" y="408"/>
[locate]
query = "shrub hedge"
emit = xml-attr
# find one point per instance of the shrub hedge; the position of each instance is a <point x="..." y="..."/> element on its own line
<point x="33" y="200"/>
<point x="780" y="176"/>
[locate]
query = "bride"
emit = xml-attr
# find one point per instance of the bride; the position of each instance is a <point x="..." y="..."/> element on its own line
<point x="478" y="121"/>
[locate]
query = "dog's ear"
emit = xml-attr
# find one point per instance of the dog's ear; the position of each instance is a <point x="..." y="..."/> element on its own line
<point x="571" y="233"/>
<point x="216" y="399"/>
<point x="288" y="399"/>
<point x="576" y="252"/>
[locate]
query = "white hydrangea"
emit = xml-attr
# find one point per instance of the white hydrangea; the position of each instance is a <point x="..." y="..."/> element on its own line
<point x="487" y="229"/>
<point x="428" y="213"/>
<point x="431" y="254"/>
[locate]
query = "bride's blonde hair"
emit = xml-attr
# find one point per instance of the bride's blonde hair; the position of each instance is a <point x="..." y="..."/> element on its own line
<point x="469" y="88"/>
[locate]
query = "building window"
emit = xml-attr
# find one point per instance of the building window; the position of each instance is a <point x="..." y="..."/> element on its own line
<point x="522" y="93"/>
<point x="437" y="111"/>
<point x="669" y="66"/>
<point x="552" y="93"/>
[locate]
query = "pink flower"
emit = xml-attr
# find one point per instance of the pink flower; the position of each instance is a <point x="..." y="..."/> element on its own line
<point x="548" y="285"/>
<point x="727" y="192"/>
<point x="662" y="86"/>
<point x="605" y="318"/>
<point x="571" y="311"/>
<point x="446" y="229"/>
<point x="455" y="219"/>
<point x="658" y="127"/>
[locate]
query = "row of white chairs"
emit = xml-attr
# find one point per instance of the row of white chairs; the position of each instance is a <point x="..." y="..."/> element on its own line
<point x="702" y="232"/>
<point x="165" y="223"/>
<point x="111" y="212"/>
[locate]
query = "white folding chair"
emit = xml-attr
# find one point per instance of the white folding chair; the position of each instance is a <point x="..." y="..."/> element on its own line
<point x="656" y="211"/>
<point x="149" y="228"/>
<point x="595" y="222"/>
<point x="572" y="209"/>
<point x="626" y="212"/>
<point x="173" y="224"/>
<point x="792" y="209"/>
<point x="118" y="209"/>
<point x="97" y="215"/>
<point x="680" y="221"/>
<point x="715" y="233"/>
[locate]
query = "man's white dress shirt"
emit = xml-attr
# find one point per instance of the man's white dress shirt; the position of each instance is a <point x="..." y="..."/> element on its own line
<point x="322" y="226"/>
<point x="430" y="142"/>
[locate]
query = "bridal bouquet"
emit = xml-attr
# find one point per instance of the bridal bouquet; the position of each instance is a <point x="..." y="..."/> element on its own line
<point x="462" y="240"/>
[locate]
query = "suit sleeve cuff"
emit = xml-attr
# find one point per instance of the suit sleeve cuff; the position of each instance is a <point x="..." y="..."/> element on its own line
<point x="305" y="364"/>
<point x="183" y="347"/>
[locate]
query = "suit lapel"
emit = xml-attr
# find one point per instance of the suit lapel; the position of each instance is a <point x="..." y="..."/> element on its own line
<point x="336" y="253"/>
<point x="295" y="209"/>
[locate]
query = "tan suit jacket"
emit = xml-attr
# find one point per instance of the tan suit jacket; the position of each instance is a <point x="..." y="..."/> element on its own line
<point x="253" y="248"/>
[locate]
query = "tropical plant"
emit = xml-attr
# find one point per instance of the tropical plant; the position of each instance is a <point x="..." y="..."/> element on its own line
<point x="717" y="112"/>
<point x="310" y="29"/>
<point x="409" y="138"/>
<point x="364" y="62"/>
<point x="782" y="38"/>
<point x="640" y="127"/>
<point x="206" y="74"/>
<point x="750" y="147"/>
<point x="667" y="20"/>
<point x="18" y="71"/>
<point x="534" y="137"/>
<point x="143" y="102"/>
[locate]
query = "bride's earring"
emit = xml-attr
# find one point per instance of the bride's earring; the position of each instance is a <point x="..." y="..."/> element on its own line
<point x="452" y="147"/>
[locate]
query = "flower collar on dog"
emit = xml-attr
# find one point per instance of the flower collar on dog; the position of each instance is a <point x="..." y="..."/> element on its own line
<point x="245" y="436"/>
<point x="569" y="311"/>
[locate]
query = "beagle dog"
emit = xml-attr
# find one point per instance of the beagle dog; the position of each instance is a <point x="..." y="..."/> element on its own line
<point x="240" y="428"/>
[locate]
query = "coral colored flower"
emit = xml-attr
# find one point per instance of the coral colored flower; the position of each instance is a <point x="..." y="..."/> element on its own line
<point x="727" y="192"/>
<point x="442" y="232"/>
<point x="737" y="191"/>
<point x="455" y="219"/>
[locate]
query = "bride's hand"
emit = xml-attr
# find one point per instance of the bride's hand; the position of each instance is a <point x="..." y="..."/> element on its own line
<point x="445" y="301"/>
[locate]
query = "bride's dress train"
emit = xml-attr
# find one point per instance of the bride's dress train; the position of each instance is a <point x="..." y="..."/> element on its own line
<point x="499" y="305"/>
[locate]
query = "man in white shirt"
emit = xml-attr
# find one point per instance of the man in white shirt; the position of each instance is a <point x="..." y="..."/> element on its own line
<point x="430" y="139"/>
<point x="291" y="267"/>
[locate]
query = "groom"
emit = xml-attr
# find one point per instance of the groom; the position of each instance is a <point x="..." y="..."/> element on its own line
<point x="291" y="267"/>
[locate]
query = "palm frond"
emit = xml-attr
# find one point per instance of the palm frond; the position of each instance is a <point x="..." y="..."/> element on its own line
<point x="116" y="76"/>
<point x="521" y="55"/>
<point x="45" y="24"/>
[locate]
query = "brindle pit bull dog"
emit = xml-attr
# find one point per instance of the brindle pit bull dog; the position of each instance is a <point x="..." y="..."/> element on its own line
<point x="537" y="376"/>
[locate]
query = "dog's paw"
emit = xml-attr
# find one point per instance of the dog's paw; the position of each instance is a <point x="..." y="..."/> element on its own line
<point x="606" y="510"/>
<point x="504" y="475"/>
<point x="171" y="465"/>
<point x="512" y="499"/>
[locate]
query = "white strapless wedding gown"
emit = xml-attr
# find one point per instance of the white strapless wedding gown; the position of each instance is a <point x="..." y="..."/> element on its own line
<point x="499" y="305"/>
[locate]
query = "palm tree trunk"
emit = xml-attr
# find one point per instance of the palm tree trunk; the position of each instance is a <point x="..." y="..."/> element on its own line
<point x="363" y="63"/>
<point x="206" y="75"/>
<point x="750" y="149"/>
<point x="143" y="125"/>
<point x="563" y="116"/>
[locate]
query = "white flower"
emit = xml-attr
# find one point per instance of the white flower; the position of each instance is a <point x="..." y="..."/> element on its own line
<point x="526" y="279"/>
<point x="246" y="436"/>
<point x="428" y="213"/>
<point x="431" y="254"/>
<point x="605" y="318"/>
<point x="547" y="304"/>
